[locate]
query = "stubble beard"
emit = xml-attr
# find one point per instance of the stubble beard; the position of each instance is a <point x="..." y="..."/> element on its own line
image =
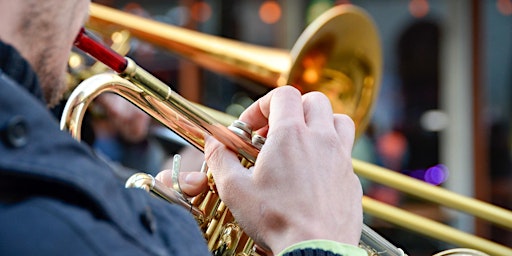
<point x="46" y="50"/>
<point x="51" y="76"/>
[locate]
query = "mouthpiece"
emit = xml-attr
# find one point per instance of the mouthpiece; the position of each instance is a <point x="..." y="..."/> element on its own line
<point x="102" y="53"/>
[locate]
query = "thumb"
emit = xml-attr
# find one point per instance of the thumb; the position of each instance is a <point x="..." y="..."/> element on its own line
<point x="191" y="183"/>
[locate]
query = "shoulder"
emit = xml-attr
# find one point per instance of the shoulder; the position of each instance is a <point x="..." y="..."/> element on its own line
<point x="43" y="226"/>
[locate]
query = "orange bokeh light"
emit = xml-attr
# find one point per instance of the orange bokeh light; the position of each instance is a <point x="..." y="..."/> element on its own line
<point x="200" y="11"/>
<point x="270" y="12"/>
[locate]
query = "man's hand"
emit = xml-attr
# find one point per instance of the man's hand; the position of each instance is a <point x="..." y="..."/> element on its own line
<point x="302" y="186"/>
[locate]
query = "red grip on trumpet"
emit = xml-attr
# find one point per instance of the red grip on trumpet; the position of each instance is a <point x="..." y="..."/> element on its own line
<point x="100" y="52"/>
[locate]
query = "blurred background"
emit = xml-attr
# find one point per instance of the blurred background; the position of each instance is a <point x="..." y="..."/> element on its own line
<point x="443" y="113"/>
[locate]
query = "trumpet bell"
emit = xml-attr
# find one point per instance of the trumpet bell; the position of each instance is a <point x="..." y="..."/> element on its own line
<point x="338" y="54"/>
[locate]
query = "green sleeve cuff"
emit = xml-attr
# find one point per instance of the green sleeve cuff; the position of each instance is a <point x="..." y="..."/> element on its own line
<point x="327" y="245"/>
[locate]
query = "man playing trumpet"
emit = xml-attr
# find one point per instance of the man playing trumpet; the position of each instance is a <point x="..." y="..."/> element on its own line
<point x="57" y="197"/>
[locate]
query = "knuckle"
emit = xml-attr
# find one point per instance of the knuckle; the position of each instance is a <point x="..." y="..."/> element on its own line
<point x="345" y="120"/>
<point x="286" y="91"/>
<point x="315" y="96"/>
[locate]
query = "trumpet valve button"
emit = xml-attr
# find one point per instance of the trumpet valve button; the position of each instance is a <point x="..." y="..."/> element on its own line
<point x="258" y="141"/>
<point x="241" y="129"/>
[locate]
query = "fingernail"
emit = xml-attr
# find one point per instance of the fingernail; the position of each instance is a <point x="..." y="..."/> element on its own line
<point x="194" y="178"/>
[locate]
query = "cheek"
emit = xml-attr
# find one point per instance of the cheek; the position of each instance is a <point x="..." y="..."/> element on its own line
<point x="78" y="16"/>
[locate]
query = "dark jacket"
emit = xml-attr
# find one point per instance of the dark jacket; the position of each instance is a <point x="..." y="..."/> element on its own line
<point x="58" y="198"/>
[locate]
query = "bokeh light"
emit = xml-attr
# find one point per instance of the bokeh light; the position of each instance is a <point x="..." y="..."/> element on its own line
<point x="316" y="9"/>
<point x="270" y="12"/>
<point x="75" y="61"/>
<point x="435" y="175"/>
<point x="200" y="11"/>
<point x="419" y="8"/>
<point x="504" y="7"/>
<point x="434" y="120"/>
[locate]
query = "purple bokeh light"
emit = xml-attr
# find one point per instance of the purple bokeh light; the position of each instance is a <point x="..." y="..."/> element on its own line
<point x="434" y="175"/>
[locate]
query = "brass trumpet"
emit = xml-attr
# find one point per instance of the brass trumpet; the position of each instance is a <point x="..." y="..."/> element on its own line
<point x="351" y="85"/>
<point x="223" y="234"/>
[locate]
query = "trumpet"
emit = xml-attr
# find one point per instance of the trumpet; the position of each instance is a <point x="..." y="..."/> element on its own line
<point x="223" y="234"/>
<point x="351" y="84"/>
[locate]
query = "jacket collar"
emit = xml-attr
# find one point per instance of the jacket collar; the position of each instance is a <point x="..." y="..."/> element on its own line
<point x="18" y="69"/>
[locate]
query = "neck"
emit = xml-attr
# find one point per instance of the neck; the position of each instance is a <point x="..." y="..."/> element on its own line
<point x="11" y="15"/>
